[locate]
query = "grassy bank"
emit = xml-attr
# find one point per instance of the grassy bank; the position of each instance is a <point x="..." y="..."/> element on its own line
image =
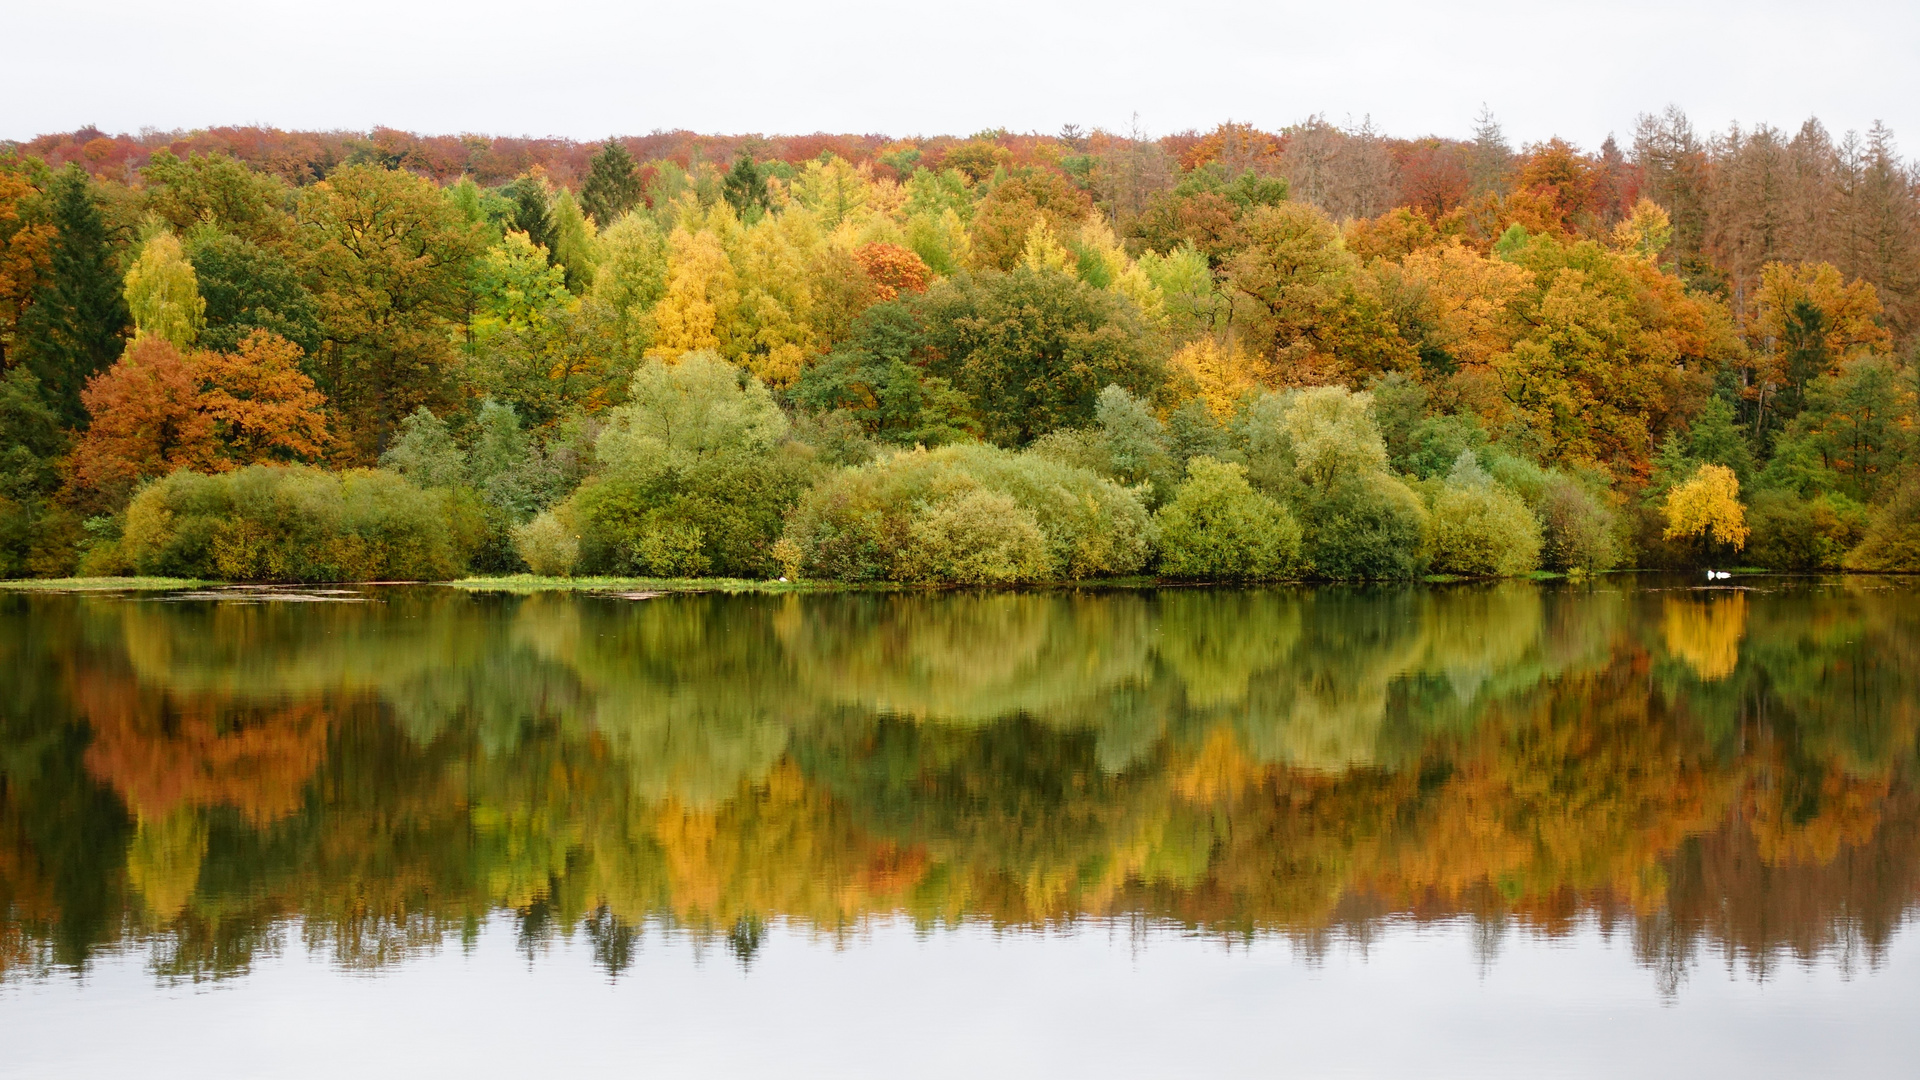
<point x="102" y="584"/>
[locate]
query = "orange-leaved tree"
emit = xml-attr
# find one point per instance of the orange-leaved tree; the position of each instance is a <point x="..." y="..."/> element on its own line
<point x="263" y="406"/>
<point x="147" y="421"/>
<point x="892" y="269"/>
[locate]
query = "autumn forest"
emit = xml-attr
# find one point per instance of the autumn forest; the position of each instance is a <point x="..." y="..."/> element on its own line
<point x="1315" y="353"/>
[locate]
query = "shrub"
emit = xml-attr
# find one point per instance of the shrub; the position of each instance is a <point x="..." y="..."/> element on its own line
<point x="1577" y="529"/>
<point x="974" y="537"/>
<point x="1218" y="527"/>
<point x="277" y="523"/>
<point x="1369" y="527"/>
<point x="547" y="545"/>
<point x="686" y="517"/>
<point x="858" y="524"/>
<point x="1892" y="541"/>
<point x="1794" y="533"/>
<point x="1478" y="527"/>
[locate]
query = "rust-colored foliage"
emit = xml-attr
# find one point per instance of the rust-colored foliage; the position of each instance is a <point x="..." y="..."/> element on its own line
<point x="147" y="421"/>
<point x="263" y="406"/>
<point x="160" y="750"/>
<point x="892" y="269"/>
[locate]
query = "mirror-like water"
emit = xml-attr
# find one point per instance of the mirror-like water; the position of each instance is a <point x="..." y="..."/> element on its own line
<point x="1101" y="821"/>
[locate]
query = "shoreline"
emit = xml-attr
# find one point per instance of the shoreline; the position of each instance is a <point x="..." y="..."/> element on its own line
<point x="532" y="583"/>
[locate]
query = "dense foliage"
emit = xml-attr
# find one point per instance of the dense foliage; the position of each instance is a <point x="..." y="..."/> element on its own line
<point x="1424" y="355"/>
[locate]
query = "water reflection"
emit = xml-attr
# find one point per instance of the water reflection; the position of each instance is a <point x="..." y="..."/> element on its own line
<point x="1708" y="771"/>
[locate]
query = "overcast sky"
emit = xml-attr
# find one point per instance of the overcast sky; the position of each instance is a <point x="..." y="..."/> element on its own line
<point x="590" y="68"/>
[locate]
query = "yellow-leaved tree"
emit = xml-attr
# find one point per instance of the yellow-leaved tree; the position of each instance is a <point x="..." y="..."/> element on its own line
<point x="699" y="283"/>
<point x="163" y="294"/>
<point x="1706" y="508"/>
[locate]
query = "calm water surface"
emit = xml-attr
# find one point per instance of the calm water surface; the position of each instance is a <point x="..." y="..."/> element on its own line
<point x="1637" y="828"/>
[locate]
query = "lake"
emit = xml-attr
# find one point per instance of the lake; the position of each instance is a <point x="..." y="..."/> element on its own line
<point x="1640" y="826"/>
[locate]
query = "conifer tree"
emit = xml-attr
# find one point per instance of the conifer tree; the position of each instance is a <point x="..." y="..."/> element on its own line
<point x="533" y="212"/>
<point x="746" y="186"/>
<point x="612" y="187"/>
<point x="78" y="322"/>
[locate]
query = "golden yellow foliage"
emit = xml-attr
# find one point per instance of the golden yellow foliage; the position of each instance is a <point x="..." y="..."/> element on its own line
<point x="1706" y="634"/>
<point x="699" y="281"/>
<point x="1708" y="505"/>
<point x="1221" y="375"/>
<point x="1474" y="299"/>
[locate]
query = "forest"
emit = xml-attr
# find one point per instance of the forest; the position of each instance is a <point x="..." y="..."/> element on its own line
<point x="1318" y="353"/>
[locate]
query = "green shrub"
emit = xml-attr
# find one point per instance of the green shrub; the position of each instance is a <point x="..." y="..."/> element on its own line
<point x="1368" y="527"/>
<point x="1478" y="527"/>
<point x="1794" y="533"/>
<point x="1892" y="541"/>
<point x="680" y="516"/>
<point x="1218" y="527"/>
<point x="858" y="524"/>
<point x="292" y="523"/>
<point x="974" y="537"/>
<point x="547" y="545"/>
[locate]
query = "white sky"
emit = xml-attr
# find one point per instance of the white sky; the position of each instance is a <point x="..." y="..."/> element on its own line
<point x="589" y="68"/>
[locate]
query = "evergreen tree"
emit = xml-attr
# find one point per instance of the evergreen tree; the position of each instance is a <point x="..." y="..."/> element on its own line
<point x="78" y="322"/>
<point x="532" y="212"/>
<point x="612" y="187"/>
<point x="745" y="186"/>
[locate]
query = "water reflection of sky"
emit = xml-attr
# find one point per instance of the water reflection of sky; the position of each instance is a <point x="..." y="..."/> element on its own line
<point x="1414" y="1001"/>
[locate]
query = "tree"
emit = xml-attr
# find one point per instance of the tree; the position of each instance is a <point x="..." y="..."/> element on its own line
<point x="146" y="422"/>
<point x="388" y="258"/>
<point x="745" y="188"/>
<point x="696" y="408"/>
<point x="571" y="361"/>
<point x="877" y="377"/>
<point x="1706" y="508"/>
<point x="264" y="408"/>
<point x="1853" y="437"/>
<point x="78" y="321"/>
<point x="533" y="210"/>
<point x="700" y="286"/>
<point x="1007" y="216"/>
<point x="632" y="276"/>
<point x="892" y="269"/>
<point x="612" y="187"/>
<point x="515" y="288"/>
<point x="1033" y="349"/>
<point x="162" y="294"/>
<point x="1808" y="319"/>
<point x="247" y="288"/>
<point x="425" y="452"/>
<point x="31" y="445"/>
<point x="1293" y="291"/>
<point x="25" y="239"/>
<point x="216" y="190"/>
<point x="575" y="248"/>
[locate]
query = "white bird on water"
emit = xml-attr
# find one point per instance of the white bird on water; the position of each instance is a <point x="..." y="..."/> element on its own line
<point x="1718" y="574"/>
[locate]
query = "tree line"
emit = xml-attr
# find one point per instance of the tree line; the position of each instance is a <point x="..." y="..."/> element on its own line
<point x="1317" y="352"/>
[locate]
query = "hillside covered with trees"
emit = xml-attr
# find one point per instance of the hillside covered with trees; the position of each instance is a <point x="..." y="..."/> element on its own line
<point x="1321" y="352"/>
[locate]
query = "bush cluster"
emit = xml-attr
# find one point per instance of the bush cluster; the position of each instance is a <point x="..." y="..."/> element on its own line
<point x="293" y="523"/>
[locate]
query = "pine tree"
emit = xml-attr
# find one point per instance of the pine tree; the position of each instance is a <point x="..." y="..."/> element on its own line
<point x="78" y="322"/>
<point x="533" y="213"/>
<point x="746" y="186"/>
<point x="1491" y="157"/>
<point x="612" y="187"/>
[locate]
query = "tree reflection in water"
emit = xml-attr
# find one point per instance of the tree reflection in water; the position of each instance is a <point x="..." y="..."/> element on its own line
<point x="1707" y="769"/>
